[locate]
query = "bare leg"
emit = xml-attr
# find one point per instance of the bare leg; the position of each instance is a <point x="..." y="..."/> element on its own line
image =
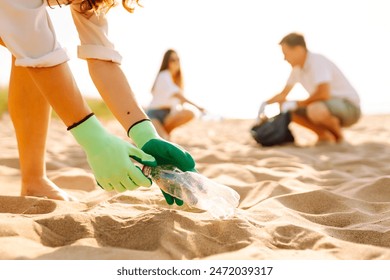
<point x="320" y="115"/>
<point x="323" y="134"/>
<point x="30" y="114"/>
<point x="178" y="119"/>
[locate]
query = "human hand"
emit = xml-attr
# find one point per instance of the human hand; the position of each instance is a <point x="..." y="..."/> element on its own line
<point x="109" y="157"/>
<point x="145" y="136"/>
<point x="289" y="106"/>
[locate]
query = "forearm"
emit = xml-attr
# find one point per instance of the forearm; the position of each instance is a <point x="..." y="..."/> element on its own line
<point x="193" y="104"/>
<point x="280" y="97"/>
<point x="311" y="99"/>
<point x="60" y="90"/>
<point x="322" y="93"/>
<point x="183" y="99"/>
<point x="115" y="90"/>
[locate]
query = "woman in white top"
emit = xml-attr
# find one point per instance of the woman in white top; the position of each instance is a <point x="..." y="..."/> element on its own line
<point x="165" y="109"/>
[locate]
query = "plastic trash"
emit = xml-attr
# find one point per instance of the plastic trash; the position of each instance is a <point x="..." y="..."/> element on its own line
<point x="195" y="190"/>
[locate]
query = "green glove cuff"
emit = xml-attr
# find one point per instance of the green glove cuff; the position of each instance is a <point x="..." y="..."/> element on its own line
<point x="142" y="131"/>
<point x="87" y="132"/>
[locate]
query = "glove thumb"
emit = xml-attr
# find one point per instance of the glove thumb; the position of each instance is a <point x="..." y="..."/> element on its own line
<point x="140" y="156"/>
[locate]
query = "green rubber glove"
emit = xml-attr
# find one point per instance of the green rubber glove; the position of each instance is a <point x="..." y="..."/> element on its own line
<point x="109" y="157"/>
<point x="145" y="137"/>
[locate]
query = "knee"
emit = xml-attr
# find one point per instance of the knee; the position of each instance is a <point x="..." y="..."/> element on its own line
<point x="317" y="112"/>
<point x="188" y="115"/>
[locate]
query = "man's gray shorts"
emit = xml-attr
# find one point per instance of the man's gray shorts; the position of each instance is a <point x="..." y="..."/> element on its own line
<point x="344" y="110"/>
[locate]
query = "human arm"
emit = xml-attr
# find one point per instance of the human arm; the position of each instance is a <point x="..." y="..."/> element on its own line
<point x="182" y="99"/>
<point x="318" y="79"/>
<point x="116" y="92"/>
<point x="322" y="92"/>
<point x="108" y="155"/>
<point x="280" y="97"/>
<point x="103" y="63"/>
<point x="45" y="62"/>
<point x="167" y="93"/>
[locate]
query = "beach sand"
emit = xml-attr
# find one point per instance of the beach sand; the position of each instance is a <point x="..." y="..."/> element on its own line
<point x="297" y="201"/>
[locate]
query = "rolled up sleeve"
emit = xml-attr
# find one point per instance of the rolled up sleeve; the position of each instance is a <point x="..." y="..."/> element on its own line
<point x="93" y="34"/>
<point x="28" y="33"/>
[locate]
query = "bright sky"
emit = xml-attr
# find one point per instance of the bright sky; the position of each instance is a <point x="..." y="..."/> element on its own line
<point x="229" y="50"/>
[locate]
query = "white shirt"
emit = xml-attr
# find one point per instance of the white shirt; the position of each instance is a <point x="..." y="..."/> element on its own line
<point x="93" y="33"/>
<point x="317" y="70"/>
<point x="163" y="91"/>
<point x="28" y="33"/>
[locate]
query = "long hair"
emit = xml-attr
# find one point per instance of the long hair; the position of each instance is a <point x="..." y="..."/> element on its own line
<point x="105" y="5"/>
<point x="177" y="78"/>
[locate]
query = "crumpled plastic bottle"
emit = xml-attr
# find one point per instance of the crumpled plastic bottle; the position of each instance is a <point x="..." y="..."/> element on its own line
<point x="195" y="190"/>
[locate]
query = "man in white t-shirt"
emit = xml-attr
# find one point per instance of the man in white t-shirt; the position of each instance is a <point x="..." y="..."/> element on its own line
<point x="332" y="103"/>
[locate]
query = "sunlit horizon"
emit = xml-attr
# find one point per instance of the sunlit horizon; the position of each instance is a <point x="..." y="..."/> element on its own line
<point x="231" y="60"/>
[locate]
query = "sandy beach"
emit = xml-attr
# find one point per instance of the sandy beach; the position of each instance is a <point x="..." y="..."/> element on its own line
<point x="297" y="201"/>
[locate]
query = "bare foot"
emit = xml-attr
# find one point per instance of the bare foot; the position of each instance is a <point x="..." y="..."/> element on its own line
<point x="45" y="188"/>
<point x="339" y="138"/>
<point x="326" y="137"/>
<point x="333" y="124"/>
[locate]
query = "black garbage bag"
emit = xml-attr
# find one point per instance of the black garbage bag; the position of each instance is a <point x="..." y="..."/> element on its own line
<point x="273" y="131"/>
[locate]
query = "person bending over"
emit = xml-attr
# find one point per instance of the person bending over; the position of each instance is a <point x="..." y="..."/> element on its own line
<point x="333" y="102"/>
